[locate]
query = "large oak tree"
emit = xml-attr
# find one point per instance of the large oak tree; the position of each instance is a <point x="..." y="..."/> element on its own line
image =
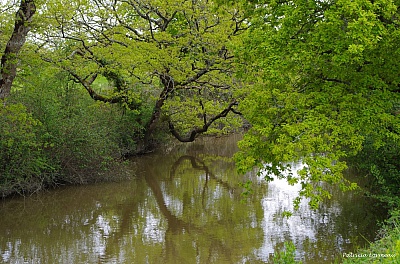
<point x="175" y="55"/>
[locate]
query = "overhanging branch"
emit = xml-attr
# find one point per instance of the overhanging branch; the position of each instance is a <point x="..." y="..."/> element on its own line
<point x="195" y="132"/>
<point x="87" y="84"/>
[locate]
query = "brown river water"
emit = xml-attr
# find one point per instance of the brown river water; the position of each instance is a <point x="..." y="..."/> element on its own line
<point x="184" y="205"/>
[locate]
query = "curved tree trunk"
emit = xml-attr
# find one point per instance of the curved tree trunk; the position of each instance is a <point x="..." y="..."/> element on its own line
<point x="169" y="86"/>
<point x="9" y="61"/>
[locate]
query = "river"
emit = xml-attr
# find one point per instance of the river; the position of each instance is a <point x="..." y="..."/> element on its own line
<point x="184" y="205"/>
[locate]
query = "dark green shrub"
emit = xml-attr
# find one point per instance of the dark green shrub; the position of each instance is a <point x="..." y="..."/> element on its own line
<point x="381" y="165"/>
<point x="23" y="165"/>
<point x="85" y="138"/>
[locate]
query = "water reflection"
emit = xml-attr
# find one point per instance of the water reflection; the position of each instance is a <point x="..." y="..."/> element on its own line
<point x="185" y="206"/>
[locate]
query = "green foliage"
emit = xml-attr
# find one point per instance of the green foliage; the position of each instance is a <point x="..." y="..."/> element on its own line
<point x="286" y="256"/>
<point x="6" y="25"/>
<point x="323" y="82"/>
<point x="57" y="134"/>
<point x="382" y="168"/>
<point x="84" y="137"/>
<point x="23" y="166"/>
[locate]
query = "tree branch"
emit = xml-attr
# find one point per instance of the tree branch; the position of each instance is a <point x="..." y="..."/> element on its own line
<point x="87" y="84"/>
<point x="195" y="132"/>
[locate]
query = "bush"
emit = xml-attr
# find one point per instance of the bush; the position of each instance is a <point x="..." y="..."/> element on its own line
<point x="85" y="137"/>
<point x="382" y="168"/>
<point x="57" y="134"/>
<point x="23" y="165"/>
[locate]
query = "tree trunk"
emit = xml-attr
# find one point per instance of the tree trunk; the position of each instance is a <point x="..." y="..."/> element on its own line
<point x="168" y="84"/>
<point x="9" y="61"/>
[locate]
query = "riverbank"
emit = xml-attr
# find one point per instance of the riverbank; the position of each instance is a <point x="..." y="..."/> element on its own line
<point x="44" y="145"/>
<point x="384" y="250"/>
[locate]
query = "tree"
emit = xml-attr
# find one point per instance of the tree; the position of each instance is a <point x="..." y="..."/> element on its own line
<point x="9" y="63"/>
<point x="174" y="55"/>
<point x="325" y="81"/>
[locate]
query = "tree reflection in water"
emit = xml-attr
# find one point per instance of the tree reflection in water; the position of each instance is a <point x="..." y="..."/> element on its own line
<point x="184" y="206"/>
<point x="204" y="222"/>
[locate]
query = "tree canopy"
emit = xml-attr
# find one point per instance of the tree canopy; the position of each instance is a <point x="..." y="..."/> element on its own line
<point x="176" y="55"/>
<point x="325" y="82"/>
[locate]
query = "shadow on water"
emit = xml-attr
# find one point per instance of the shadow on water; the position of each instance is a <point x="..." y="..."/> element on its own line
<point x="184" y="206"/>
